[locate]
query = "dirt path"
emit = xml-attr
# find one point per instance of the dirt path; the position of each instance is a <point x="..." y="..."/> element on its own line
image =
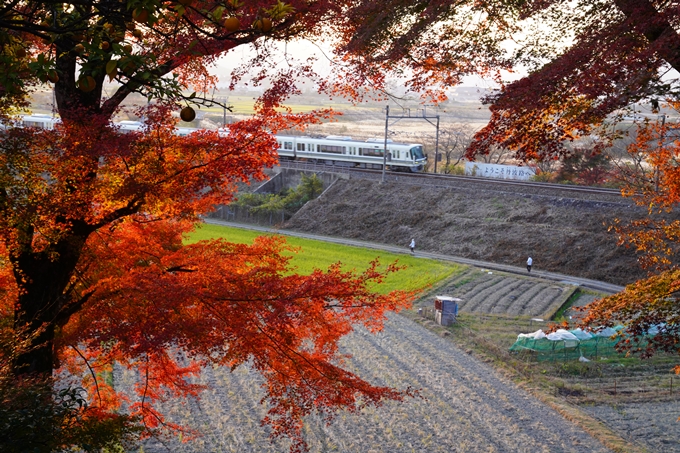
<point x="467" y="406"/>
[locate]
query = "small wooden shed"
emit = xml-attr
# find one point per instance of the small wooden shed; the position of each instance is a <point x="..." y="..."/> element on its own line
<point x="446" y="309"/>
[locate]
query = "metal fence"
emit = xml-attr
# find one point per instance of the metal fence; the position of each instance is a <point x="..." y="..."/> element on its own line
<point x="243" y="214"/>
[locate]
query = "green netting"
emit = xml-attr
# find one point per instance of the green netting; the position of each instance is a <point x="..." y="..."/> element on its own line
<point x="544" y="349"/>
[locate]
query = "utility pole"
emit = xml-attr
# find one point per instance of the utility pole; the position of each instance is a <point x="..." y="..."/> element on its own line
<point x="224" y="111"/>
<point x="436" y="142"/>
<point x="387" y="126"/>
<point x="656" y="170"/>
<point x="407" y="115"/>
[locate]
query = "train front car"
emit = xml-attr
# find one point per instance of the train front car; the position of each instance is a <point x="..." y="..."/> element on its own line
<point x="418" y="157"/>
<point x="406" y="157"/>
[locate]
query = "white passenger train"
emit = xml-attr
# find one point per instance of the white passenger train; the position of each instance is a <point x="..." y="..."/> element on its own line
<point x="338" y="150"/>
<point x="342" y="150"/>
<point x="39" y="120"/>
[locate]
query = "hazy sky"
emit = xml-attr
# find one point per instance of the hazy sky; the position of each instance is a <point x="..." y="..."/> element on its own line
<point x="302" y="50"/>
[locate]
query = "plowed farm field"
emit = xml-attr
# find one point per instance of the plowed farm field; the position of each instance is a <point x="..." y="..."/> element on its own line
<point x="470" y="401"/>
<point x="483" y="291"/>
<point x="638" y="400"/>
<point x="466" y="406"/>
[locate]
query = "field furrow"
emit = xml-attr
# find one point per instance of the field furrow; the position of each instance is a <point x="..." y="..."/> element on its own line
<point x="469" y="288"/>
<point x="505" y="294"/>
<point x="505" y="304"/>
<point x="524" y="304"/>
<point x="465" y="406"/>
<point x="480" y="294"/>
<point x="542" y="303"/>
<point x="476" y="391"/>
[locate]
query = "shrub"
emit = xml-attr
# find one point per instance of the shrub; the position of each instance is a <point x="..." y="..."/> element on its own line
<point x="289" y="200"/>
<point x="38" y="419"/>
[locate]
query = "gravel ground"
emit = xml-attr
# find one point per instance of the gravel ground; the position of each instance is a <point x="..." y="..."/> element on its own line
<point x="466" y="406"/>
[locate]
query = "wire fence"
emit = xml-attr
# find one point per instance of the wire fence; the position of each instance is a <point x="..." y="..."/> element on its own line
<point x="595" y="380"/>
<point x="545" y="350"/>
<point x="243" y="214"/>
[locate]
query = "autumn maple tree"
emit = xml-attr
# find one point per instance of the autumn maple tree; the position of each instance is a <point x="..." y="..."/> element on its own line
<point x="605" y="56"/>
<point x="649" y="308"/>
<point x="574" y="63"/>
<point x="578" y="67"/>
<point x="93" y="268"/>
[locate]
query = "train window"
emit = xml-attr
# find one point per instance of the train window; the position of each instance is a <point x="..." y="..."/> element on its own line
<point x="332" y="149"/>
<point x="371" y="152"/>
<point x="417" y="152"/>
<point x="300" y="146"/>
<point x="287" y="145"/>
<point x="310" y="147"/>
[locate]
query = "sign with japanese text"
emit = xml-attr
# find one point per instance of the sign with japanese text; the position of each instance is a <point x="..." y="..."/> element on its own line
<point x="498" y="171"/>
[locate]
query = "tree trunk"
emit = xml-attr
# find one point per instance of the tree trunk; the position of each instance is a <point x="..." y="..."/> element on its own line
<point x="45" y="292"/>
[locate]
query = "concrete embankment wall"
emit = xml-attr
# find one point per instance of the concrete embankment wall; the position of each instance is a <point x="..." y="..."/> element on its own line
<point x="286" y="178"/>
<point x="282" y="178"/>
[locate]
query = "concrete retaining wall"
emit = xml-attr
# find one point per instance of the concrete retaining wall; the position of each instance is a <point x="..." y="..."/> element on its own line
<point x="288" y="178"/>
<point x="283" y="178"/>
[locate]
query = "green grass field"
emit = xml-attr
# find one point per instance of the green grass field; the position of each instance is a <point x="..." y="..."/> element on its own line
<point x="419" y="274"/>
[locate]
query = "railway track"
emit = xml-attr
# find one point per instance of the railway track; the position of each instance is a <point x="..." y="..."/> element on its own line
<point x="474" y="183"/>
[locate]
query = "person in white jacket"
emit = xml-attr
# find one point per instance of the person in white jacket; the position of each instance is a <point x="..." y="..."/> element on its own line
<point x="529" y="263"/>
<point x="412" y="245"/>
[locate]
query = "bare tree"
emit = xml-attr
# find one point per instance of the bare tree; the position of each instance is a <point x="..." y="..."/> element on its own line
<point x="454" y="138"/>
<point x="499" y="155"/>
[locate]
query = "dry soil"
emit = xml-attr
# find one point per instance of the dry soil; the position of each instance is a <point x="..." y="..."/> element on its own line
<point x="465" y="406"/>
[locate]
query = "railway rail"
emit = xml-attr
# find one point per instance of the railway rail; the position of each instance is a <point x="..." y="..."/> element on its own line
<point x="474" y="183"/>
<point x="406" y="157"/>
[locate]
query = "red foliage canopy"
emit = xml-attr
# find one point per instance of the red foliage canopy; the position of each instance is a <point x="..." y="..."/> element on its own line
<point x="618" y="52"/>
<point x="651" y="304"/>
<point x="95" y="268"/>
<point x="92" y="264"/>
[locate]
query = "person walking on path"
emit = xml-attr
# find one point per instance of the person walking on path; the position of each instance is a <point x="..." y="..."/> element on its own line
<point x="529" y="263"/>
<point x="412" y="245"/>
